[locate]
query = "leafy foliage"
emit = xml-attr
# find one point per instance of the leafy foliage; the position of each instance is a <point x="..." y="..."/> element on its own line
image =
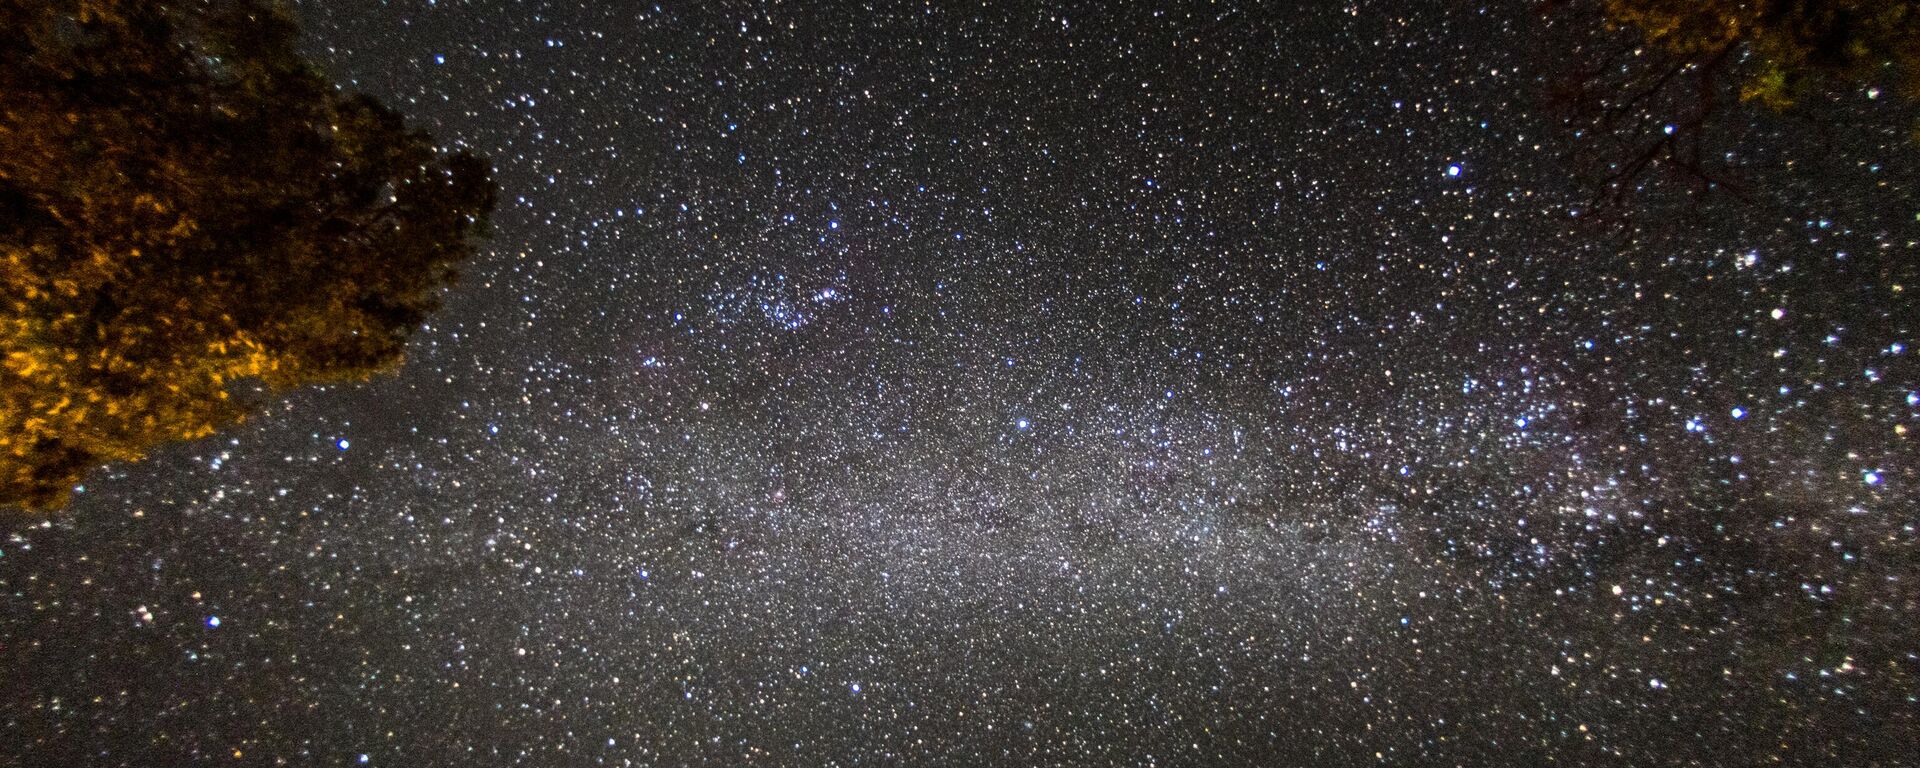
<point x="1794" y="45"/>
<point x="1651" y="100"/>
<point x="185" y="204"/>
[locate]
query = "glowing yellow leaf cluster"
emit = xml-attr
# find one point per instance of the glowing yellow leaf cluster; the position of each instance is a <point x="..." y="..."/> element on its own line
<point x="1790" y="44"/>
<point x="189" y="211"/>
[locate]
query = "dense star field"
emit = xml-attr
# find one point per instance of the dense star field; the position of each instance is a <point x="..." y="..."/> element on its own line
<point x="1105" y="384"/>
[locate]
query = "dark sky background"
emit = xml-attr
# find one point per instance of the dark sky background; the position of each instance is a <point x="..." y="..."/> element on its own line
<point x="1089" y="384"/>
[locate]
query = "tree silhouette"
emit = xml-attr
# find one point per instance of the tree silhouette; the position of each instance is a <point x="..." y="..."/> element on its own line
<point x="1794" y="46"/>
<point x="185" y="203"/>
<point x="1652" y="104"/>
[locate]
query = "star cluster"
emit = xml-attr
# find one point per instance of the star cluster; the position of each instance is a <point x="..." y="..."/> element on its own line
<point x="1077" y="384"/>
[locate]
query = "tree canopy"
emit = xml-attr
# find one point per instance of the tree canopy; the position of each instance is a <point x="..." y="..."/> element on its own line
<point x="186" y="204"/>
<point x="1793" y="45"/>
<point x="1656" y="102"/>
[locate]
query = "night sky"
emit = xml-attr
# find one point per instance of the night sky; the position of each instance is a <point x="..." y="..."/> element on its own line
<point x="1003" y="385"/>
